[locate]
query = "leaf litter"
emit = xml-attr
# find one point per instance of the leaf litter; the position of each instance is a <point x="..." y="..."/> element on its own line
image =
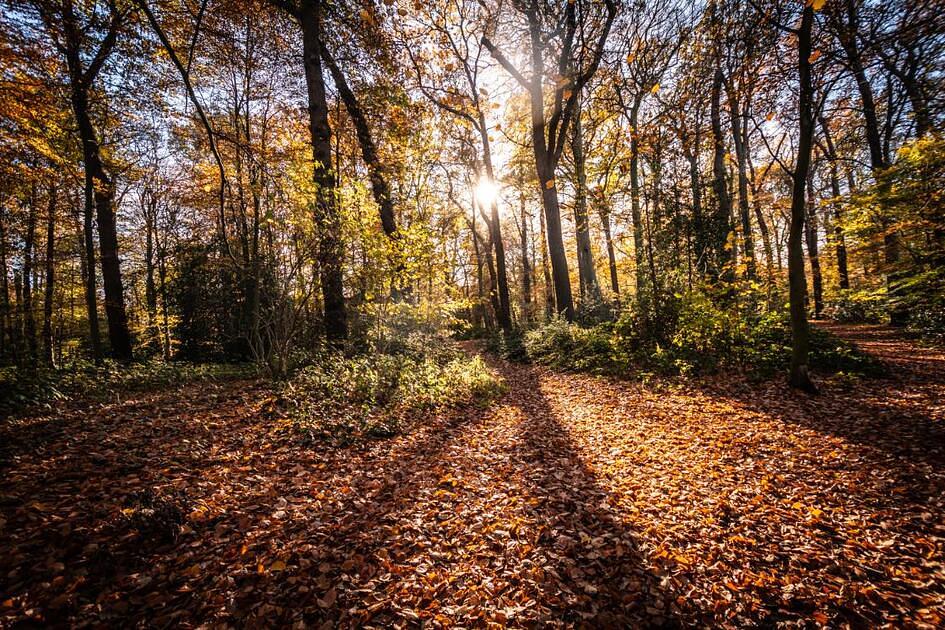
<point x="572" y="501"/>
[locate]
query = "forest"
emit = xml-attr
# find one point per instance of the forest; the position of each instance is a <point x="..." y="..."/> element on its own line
<point x="472" y="313"/>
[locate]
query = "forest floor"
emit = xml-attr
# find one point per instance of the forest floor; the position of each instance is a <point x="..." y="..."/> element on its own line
<point x="571" y="499"/>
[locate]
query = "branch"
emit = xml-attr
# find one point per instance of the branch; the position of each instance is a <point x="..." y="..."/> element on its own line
<point x="105" y="49"/>
<point x="185" y="76"/>
<point x="505" y="63"/>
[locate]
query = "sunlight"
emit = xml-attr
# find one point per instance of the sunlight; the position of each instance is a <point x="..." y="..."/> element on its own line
<point x="487" y="192"/>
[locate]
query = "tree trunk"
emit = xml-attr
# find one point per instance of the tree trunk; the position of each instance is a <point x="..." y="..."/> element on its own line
<point x="29" y="320"/>
<point x="590" y="289"/>
<point x="50" y="277"/>
<point x="897" y="315"/>
<point x="635" y="214"/>
<point x="692" y="156"/>
<point x="841" y="247"/>
<point x="604" y="211"/>
<point x="759" y="215"/>
<point x="719" y="229"/>
<point x="813" y="248"/>
<point x="504" y="314"/>
<point x="797" y="281"/>
<point x="7" y="335"/>
<point x="526" y="266"/>
<point x="88" y="260"/>
<point x="740" y="140"/>
<point x="150" y="288"/>
<point x="327" y="219"/>
<point x="102" y="193"/>
<point x="549" y="292"/>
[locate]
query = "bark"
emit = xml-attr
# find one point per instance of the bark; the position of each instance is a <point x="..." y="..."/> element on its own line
<point x="547" y="149"/>
<point x="88" y="275"/>
<point x="98" y="183"/>
<point x="739" y="138"/>
<point x="549" y="289"/>
<point x="379" y="186"/>
<point x="590" y="289"/>
<point x="635" y="199"/>
<point x="504" y="313"/>
<point x="840" y="243"/>
<point x="692" y="156"/>
<point x="813" y="249"/>
<point x="797" y="281"/>
<point x="29" y="320"/>
<point x="604" y="211"/>
<point x="119" y="336"/>
<point x="719" y="228"/>
<point x="878" y="160"/>
<point x="526" y="266"/>
<point x="759" y="215"/>
<point x="50" y="277"/>
<point x="7" y="334"/>
<point x="327" y="219"/>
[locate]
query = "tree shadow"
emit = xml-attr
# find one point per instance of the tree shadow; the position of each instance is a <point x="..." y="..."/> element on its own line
<point x="896" y="425"/>
<point x="599" y="575"/>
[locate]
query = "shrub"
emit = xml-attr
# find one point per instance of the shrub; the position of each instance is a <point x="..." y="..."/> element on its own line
<point x="345" y="399"/>
<point x="700" y="336"/>
<point x="851" y="306"/>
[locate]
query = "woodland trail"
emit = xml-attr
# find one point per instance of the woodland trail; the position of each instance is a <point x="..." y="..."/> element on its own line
<point x="572" y="499"/>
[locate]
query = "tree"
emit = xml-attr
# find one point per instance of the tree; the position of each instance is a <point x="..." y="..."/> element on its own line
<point x="550" y="133"/>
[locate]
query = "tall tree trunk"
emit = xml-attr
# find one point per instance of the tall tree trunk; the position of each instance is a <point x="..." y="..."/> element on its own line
<point x="692" y="156"/>
<point x="7" y="335"/>
<point x="841" y="247"/>
<point x="504" y="314"/>
<point x="719" y="228"/>
<point x="549" y="289"/>
<point x="797" y="281"/>
<point x="813" y="248"/>
<point x="50" y="277"/>
<point x="590" y="289"/>
<point x="759" y="215"/>
<point x="379" y="186"/>
<point x="603" y="209"/>
<point x="29" y="319"/>
<point x="327" y="219"/>
<point x="740" y="140"/>
<point x="526" y="265"/>
<point x="88" y="275"/>
<point x="150" y="288"/>
<point x="103" y="192"/>
<point x="897" y="314"/>
<point x="635" y="215"/>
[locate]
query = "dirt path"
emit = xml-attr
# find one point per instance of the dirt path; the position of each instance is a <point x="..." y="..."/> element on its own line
<point x="572" y="500"/>
<point x="895" y="349"/>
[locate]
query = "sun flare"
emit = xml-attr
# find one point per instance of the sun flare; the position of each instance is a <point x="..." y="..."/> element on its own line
<point x="486" y="192"/>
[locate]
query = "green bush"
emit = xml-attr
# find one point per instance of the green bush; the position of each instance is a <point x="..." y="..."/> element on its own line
<point x="699" y="336"/>
<point x="858" y="307"/>
<point x="343" y="399"/>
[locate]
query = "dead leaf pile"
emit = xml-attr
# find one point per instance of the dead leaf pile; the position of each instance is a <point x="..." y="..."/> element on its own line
<point x="572" y="499"/>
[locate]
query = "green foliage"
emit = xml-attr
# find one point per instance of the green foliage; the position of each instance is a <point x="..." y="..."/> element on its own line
<point x="858" y="306"/>
<point x="22" y="388"/>
<point x="701" y="336"/>
<point x="908" y="200"/>
<point x="343" y="399"/>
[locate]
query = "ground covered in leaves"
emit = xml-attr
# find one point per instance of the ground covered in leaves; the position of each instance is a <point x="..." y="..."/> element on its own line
<point x="572" y="499"/>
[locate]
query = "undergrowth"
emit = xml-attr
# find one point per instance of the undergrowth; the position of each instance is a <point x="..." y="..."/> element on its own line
<point x="345" y="399"/>
<point x="22" y="388"/>
<point x="693" y="336"/>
